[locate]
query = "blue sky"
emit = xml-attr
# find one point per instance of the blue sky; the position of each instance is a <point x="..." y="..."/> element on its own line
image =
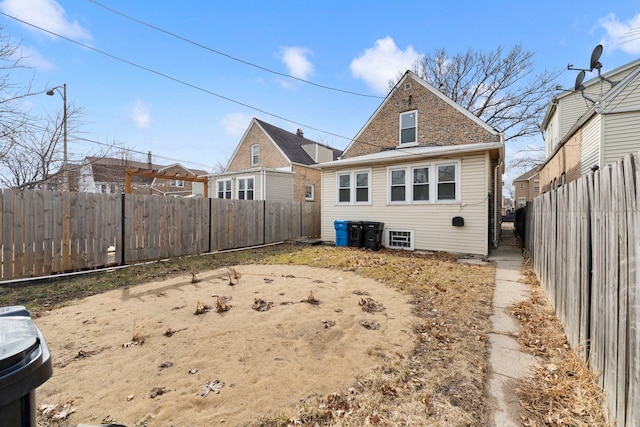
<point x="178" y="111"/>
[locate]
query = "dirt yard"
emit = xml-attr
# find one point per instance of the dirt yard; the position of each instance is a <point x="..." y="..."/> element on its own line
<point x="141" y="356"/>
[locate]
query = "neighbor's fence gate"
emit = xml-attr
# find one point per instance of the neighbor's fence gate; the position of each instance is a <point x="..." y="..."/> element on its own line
<point x="48" y="232"/>
<point x="584" y="243"/>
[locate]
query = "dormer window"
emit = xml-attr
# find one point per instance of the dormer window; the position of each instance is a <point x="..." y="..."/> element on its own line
<point x="409" y="127"/>
<point x="255" y="154"/>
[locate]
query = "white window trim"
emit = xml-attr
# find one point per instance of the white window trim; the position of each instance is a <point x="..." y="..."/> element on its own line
<point x="230" y="188"/>
<point x="257" y="148"/>
<point x="245" y="178"/>
<point x="408" y="183"/>
<point x="313" y="192"/>
<point x="457" y="181"/>
<point x="407" y="144"/>
<point x="387" y="240"/>
<point x="433" y="183"/>
<point x="177" y="183"/>
<point x="352" y="187"/>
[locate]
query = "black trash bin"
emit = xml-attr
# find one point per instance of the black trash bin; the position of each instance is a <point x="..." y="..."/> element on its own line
<point x="356" y="234"/>
<point x="25" y="364"/>
<point x="373" y="235"/>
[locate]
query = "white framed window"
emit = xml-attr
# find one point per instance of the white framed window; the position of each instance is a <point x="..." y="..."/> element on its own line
<point x="245" y="188"/>
<point x="412" y="184"/>
<point x="420" y="186"/>
<point x="223" y="189"/>
<point x="447" y="186"/>
<point x="522" y="202"/>
<point x="398" y="190"/>
<point x="255" y="154"/>
<point x="522" y="186"/>
<point x="309" y="192"/>
<point x="399" y="239"/>
<point x="178" y="183"/>
<point x="409" y="127"/>
<point x="353" y="187"/>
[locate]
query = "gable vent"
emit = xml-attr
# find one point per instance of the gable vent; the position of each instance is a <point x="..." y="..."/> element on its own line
<point x="407" y="86"/>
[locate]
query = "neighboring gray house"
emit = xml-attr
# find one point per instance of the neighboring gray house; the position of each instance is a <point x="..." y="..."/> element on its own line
<point x="593" y="127"/>
<point x="270" y="163"/>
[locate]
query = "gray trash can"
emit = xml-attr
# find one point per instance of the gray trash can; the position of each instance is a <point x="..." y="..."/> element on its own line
<point x="25" y="364"/>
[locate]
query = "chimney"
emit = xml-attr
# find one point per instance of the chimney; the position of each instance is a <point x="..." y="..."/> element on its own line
<point x="299" y="132"/>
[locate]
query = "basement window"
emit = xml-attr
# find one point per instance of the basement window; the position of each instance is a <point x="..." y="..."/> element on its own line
<point x="400" y="239"/>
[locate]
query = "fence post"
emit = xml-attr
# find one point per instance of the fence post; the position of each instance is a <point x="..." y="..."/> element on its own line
<point x="122" y="231"/>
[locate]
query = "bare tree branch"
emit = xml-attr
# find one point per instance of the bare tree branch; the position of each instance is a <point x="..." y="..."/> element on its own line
<point x="498" y="86"/>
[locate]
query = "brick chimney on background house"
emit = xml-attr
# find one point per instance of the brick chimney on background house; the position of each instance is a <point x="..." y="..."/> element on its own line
<point x="299" y="132"/>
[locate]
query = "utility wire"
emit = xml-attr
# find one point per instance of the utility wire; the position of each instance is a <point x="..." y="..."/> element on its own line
<point x="166" y="76"/>
<point x="226" y="55"/>
<point x="193" y="86"/>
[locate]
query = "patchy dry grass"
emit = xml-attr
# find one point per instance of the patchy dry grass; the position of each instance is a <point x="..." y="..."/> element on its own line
<point x="442" y="381"/>
<point x="561" y="391"/>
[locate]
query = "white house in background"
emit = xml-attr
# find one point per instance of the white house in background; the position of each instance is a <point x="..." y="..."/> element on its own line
<point x="425" y="167"/>
<point x="270" y="163"/>
<point x="107" y="175"/>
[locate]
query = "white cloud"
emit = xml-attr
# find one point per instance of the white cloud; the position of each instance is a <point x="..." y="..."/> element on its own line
<point x="621" y="35"/>
<point x="381" y="63"/>
<point x="296" y="60"/>
<point x="47" y="14"/>
<point x="32" y="58"/>
<point x="140" y="114"/>
<point x="235" y="124"/>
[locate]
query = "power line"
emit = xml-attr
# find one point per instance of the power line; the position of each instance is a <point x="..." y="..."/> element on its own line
<point x="226" y="55"/>
<point x="168" y="77"/>
<point x="191" y="85"/>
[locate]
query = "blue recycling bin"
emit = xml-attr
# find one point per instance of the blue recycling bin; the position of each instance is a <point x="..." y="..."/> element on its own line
<point x="342" y="232"/>
<point x="25" y="364"/>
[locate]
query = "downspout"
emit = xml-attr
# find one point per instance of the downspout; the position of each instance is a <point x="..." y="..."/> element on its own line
<point x="495" y="194"/>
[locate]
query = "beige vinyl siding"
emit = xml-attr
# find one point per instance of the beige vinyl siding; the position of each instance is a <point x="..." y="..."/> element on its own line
<point x="622" y="136"/>
<point x="431" y="223"/>
<point x="590" y="147"/>
<point x="279" y="186"/>
<point x="573" y="107"/>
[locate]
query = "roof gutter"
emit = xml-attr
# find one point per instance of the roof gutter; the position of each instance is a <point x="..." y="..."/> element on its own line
<point x="406" y="154"/>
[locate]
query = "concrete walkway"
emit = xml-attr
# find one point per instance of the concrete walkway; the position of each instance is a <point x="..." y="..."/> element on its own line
<point x="507" y="361"/>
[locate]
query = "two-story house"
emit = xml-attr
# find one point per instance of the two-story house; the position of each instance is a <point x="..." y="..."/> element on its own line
<point x="423" y="166"/>
<point x="527" y="186"/>
<point x="270" y="163"/>
<point x="589" y="127"/>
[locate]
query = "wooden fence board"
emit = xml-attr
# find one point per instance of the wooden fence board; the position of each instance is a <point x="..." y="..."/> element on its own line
<point x="611" y="288"/>
<point x="38" y="235"/>
<point x="632" y="174"/>
<point x="620" y="207"/>
<point x="584" y="208"/>
<point x="7" y="234"/>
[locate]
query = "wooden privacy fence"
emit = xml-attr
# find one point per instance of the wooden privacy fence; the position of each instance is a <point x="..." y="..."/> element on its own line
<point x="584" y="243"/>
<point x="47" y="232"/>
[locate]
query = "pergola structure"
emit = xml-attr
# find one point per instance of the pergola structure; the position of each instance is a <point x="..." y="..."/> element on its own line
<point x="152" y="173"/>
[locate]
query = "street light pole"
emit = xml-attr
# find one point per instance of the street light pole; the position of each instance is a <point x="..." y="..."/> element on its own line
<point x="65" y="182"/>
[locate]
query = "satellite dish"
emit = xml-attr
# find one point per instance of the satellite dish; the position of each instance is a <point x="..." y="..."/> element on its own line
<point x="595" y="58"/>
<point x="579" y="81"/>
